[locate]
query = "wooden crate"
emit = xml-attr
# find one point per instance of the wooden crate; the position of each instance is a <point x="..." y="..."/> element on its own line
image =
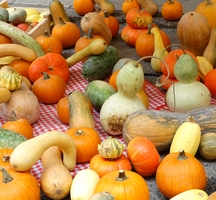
<point x="45" y="24"/>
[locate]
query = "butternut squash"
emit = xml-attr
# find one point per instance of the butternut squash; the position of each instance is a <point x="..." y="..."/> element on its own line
<point x="160" y="126"/>
<point x="57" y="11"/>
<point x="149" y="5"/>
<point x="80" y="114"/>
<point x="5" y="95"/>
<point x="17" y="50"/>
<point x="55" y="180"/>
<point x="28" y="153"/>
<point x="105" y="5"/>
<point x="22" y="37"/>
<point x="96" y="47"/>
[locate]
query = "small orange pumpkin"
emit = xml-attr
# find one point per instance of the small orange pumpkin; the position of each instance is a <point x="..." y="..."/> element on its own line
<point x="49" y="89"/>
<point x="82" y="7"/>
<point x="129" y="4"/>
<point x="5" y="154"/>
<point x="21" y="126"/>
<point x="63" y="110"/>
<point x="86" y="141"/>
<point x="5" y="39"/>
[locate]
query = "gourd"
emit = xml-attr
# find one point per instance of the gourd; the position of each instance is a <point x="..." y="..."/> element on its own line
<point x="123" y="184"/>
<point x="204" y="66"/>
<point x="55" y="180"/>
<point x="106" y="5"/>
<point x="158" y="50"/>
<point x="79" y="110"/>
<point x="210" y="48"/>
<point x="18" y="51"/>
<point x="27" y="153"/>
<point x="179" y="167"/>
<point x="57" y="11"/>
<point x="95" y="21"/>
<point x="21" y="36"/>
<point x="149" y="5"/>
<point x="191" y="194"/>
<point x="96" y="47"/>
<point x="10" y="139"/>
<point x="212" y="196"/>
<point x="160" y="126"/>
<point x="207" y="148"/>
<point x="5" y="95"/>
<point x="17" y="16"/>
<point x="102" y="196"/>
<point x="190" y="23"/>
<point x="187" y="137"/>
<point x="129" y="81"/>
<point x="10" y="80"/>
<point x="79" y="190"/>
<point x="24" y="103"/>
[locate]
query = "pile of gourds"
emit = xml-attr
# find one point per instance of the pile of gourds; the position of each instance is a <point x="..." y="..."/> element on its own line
<point x="123" y="109"/>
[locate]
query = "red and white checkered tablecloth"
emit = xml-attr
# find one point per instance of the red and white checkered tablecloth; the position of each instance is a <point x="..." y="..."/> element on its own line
<point x="48" y="119"/>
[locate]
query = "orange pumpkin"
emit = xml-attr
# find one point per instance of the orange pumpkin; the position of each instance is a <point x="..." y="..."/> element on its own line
<point x="5" y="39"/>
<point x="178" y="168"/>
<point x="5" y="154"/>
<point x="86" y="141"/>
<point x="67" y="32"/>
<point x="172" y="10"/>
<point x="63" y="110"/>
<point x="52" y="64"/>
<point x="21" y="126"/>
<point x="50" y="43"/>
<point x="210" y="81"/>
<point x="82" y="7"/>
<point x="104" y="165"/>
<point x="18" y="185"/>
<point x="129" y="4"/>
<point x="124" y="185"/>
<point x="143" y="155"/>
<point x="49" y="89"/>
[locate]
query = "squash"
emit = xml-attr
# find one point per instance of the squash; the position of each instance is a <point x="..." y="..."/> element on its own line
<point x="5" y="95"/>
<point x="24" y="103"/>
<point x="22" y="37"/>
<point x="191" y="194"/>
<point x="187" y="137"/>
<point x="79" y="190"/>
<point x="106" y="5"/>
<point x="26" y="155"/>
<point x="17" y="16"/>
<point x="150" y="6"/>
<point x="204" y="66"/>
<point x="57" y="11"/>
<point x="55" y="180"/>
<point x="18" y="51"/>
<point x="160" y="126"/>
<point x="4" y="14"/>
<point x="102" y="196"/>
<point x="95" y="21"/>
<point x="10" y="139"/>
<point x="95" y="47"/>
<point x="79" y="110"/>
<point x="207" y="147"/>
<point x="212" y="196"/>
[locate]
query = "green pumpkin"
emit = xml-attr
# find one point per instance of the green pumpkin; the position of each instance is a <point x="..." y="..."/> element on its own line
<point x="17" y="16"/>
<point x="4" y="14"/>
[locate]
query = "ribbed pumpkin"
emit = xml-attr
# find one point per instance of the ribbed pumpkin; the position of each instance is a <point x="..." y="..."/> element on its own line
<point x="178" y="168"/>
<point x="190" y="24"/>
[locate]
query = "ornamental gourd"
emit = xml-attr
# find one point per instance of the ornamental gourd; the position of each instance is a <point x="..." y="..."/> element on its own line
<point x="150" y="5"/>
<point x="117" y="107"/>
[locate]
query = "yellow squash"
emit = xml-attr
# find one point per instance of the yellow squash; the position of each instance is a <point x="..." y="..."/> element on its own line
<point x="192" y="194"/>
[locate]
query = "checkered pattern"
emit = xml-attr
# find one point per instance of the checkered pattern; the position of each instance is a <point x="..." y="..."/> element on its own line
<point x="48" y="119"/>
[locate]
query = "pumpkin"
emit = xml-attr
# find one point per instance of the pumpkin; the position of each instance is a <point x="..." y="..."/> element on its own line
<point x="143" y="155"/>
<point x="21" y="185"/>
<point x="63" y="32"/>
<point x="63" y="110"/>
<point x="21" y="126"/>
<point x="5" y="154"/>
<point x="17" y="16"/>
<point x="104" y="165"/>
<point x="190" y="23"/>
<point x="50" y="43"/>
<point x="4" y="14"/>
<point x="177" y="168"/>
<point x="49" y="88"/>
<point x="208" y="9"/>
<point x="172" y="10"/>
<point x="5" y="39"/>
<point x="52" y="64"/>
<point x="123" y="185"/>
<point x="86" y="141"/>
<point x="138" y="18"/>
<point x="209" y="82"/>
<point x="128" y="4"/>
<point x="82" y="7"/>
<point x="212" y="196"/>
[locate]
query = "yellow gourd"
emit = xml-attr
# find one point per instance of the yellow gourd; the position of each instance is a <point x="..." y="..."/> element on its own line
<point x="28" y="153"/>
<point x="55" y="180"/>
<point x="204" y="66"/>
<point x="159" y="50"/>
<point x="5" y="95"/>
<point x="187" y="137"/>
<point x="191" y="194"/>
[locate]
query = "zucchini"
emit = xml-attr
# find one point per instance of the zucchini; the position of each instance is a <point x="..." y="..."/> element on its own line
<point x="98" y="67"/>
<point x="98" y="91"/>
<point x="10" y="139"/>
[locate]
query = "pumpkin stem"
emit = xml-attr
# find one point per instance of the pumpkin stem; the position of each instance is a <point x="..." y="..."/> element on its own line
<point x="106" y="14"/>
<point x="89" y="34"/>
<point x="6" y="176"/>
<point x="46" y="76"/>
<point x="79" y="132"/>
<point x="182" y="155"/>
<point x="6" y="158"/>
<point x="121" y="176"/>
<point x="46" y="34"/>
<point x="171" y="2"/>
<point x="13" y="116"/>
<point x="61" y="21"/>
<point x="209" y="3"/>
